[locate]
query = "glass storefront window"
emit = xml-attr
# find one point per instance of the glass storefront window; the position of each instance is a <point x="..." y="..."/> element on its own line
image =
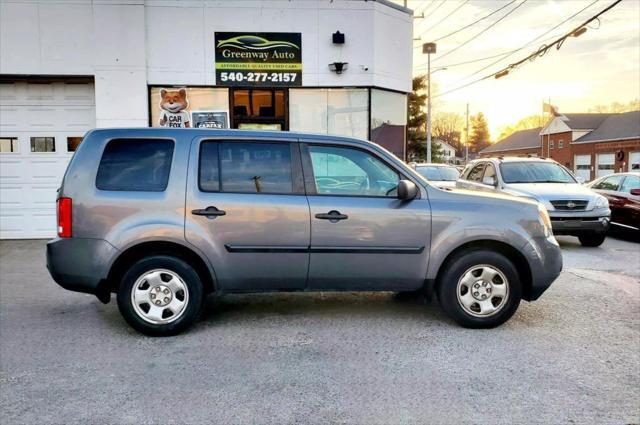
<point x="342" y="112"/>
<point x="389" y="120"/>
<point x="308" y="110"/>
<point x="348" y="112"/>
<point x="190" y="107"/>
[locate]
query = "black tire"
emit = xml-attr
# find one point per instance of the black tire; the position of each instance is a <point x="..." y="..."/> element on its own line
<point x="456" y="268"/>
<point x="191" y="311"/>
<point x="592" y="239"/>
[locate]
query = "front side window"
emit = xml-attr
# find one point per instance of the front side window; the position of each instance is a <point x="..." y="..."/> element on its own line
<point x="351" y="172"/>
<point x="245" y="167"/>
<point x="489" y="173"/>
<point x="43" y="144"/>
<point x="135" y="165"/>
<point x="534" y="172"/>
<point x="631" y="182"/>
<point x="610" y="183"/>
<point x="476" y="173"/>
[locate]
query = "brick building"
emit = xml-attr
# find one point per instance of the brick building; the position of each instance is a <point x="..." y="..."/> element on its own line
<point x="592" y="145"/>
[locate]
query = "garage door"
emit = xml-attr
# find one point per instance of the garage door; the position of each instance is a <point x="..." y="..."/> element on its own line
<point x="606" y="162"/>
<point x="583" y="167"/>
<point x="40" y="126"/>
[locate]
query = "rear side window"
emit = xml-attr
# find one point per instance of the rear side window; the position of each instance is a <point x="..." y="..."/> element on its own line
<point x="476" y="173"/>
<point x="245" y="167"/>
<point x="140" y="165"/>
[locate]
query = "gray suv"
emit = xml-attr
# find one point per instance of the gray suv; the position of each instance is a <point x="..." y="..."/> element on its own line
<point x="163" y="217"/>
<point x="575" y="209"/>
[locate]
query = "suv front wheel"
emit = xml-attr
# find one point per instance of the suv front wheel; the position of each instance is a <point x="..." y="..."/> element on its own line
<point x="479" y="289"/>
<point x="160" y="295"/>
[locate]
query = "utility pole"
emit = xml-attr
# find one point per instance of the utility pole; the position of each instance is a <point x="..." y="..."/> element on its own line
<point x="466" y="139"/>
<point x="429" y="48"/>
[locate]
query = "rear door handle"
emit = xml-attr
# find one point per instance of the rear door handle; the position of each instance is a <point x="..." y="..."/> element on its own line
<point x="333" y="216"/>
<point x="209" y="212"/>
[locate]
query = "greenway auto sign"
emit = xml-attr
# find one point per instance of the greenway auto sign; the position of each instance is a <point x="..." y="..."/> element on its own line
<point x="258" y="59"/>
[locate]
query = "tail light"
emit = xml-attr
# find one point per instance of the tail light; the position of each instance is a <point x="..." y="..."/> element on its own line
<point x="64" y="217"/>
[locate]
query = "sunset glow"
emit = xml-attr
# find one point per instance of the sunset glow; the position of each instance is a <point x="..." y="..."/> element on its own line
<point x="600" y="67"/>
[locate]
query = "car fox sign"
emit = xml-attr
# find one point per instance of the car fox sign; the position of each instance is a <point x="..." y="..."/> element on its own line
<point x="258" y="59"/>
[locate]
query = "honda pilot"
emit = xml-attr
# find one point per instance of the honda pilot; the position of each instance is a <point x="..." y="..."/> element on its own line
<point x="163" y="217"/>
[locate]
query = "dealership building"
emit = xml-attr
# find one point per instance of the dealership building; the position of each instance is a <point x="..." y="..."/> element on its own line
<point x="332" y="67"/>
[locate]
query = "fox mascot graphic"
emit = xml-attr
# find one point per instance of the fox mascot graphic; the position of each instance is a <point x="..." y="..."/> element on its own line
<point x="173" y="105"/>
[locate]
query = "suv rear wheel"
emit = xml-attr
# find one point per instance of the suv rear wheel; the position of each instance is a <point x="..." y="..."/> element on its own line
<point x="592" y="239"/>
<point x="160" y="295"/>
<point x="480" y="289"/>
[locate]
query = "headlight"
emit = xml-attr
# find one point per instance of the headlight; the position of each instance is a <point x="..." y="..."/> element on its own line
<point x="544" y="220"/>
<point x="601" y="202"/>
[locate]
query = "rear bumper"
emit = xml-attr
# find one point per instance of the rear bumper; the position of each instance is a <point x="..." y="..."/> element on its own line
<point x="81" y="265"/>
<point x="545" y="261"/>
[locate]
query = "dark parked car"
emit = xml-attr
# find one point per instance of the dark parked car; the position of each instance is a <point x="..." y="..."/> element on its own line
<point x="163" y="217"/>
<point x="623" y="192"/>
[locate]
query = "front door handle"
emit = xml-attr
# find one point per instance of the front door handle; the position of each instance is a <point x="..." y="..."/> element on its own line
<point x="209" y="212"/>
<point x="333" y="216"/>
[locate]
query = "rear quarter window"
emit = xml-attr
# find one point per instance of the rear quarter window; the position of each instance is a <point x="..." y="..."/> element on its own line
<point x="141" y="165"/>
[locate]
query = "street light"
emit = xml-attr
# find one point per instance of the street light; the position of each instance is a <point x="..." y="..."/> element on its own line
<point x="429" y="48"/>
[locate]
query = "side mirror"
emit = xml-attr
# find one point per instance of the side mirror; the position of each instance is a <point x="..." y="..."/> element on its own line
<point x="407" y="190"/>
<point x="634" y="192"/>
<point x="489" y="181"/>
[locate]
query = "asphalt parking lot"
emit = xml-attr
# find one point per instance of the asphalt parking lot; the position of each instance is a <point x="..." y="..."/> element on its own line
<point x="356" y="358"/>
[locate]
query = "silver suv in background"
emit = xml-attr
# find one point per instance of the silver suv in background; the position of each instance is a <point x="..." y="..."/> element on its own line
<point x="574" y="209"/>
<point x="163" y="217"/>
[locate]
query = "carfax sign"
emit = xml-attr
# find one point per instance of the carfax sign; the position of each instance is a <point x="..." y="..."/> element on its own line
<point x="258" y="59"/>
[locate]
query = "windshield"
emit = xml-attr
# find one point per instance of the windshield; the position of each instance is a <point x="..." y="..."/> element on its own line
<point x="534" y="172"/>
<point x="438" y="173"/>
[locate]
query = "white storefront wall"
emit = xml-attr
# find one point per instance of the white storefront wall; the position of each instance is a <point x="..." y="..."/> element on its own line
<point x="128" y="45"/>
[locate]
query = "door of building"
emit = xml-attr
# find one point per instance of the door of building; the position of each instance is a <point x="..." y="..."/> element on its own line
<point x="259" y="109"/>
<point x="41" y="125"/>
<point x="583" y="167"/>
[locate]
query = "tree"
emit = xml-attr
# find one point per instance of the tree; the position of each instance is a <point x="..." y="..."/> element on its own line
<point x="617" y="107"/>
<point x="479" y="137"/>
<point x="417" y="123"/>
<point x="531" y="121"/>
<point x="447" y="127"/>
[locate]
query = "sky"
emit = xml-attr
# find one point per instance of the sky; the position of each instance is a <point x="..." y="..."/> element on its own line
<point x="601" y="66"/>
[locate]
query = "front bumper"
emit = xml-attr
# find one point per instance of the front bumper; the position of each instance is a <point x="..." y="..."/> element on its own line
<point x="545" y="261"/>
<point x="564" y="226"/>
<point x="81" y="265"/>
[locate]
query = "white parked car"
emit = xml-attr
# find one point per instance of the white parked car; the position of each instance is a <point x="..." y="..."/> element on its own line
<point x="574" y="209"/>
<point x="443" y="176"/>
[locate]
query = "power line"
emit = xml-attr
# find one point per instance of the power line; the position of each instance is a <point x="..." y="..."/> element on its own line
<point x="431" y="3"/>
<point x="443" y="19"/>
<point x="507" y="54"/>
<point x="500" y="55"/>
<point x="438" y="6"/>
<point x="481" y="32"/>
<point x="474" y="22"/>
<point x="577" y="31"/>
